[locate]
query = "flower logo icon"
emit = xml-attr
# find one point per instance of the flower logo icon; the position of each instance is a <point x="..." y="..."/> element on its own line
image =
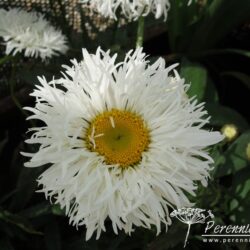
<point x="191" y="216"/>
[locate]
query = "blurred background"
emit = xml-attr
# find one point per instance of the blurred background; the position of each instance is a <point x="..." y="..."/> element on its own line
<point x="211" y="41"/>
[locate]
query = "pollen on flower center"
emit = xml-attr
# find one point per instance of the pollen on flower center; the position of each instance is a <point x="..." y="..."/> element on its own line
<point x="119" y="135"/>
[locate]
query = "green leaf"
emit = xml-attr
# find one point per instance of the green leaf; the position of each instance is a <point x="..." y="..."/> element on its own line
<point x="241" y="215"/>
<point x="41" y="209"/>
<point x="182" y="20"/>
<point x="56" y="210"/>
<point x="221" y="115"/>
<point x="240" y="190"/>
<point x="196" y="75"/>
<point x="213" y="26"/>
<point x="245" y="79"/>
<point x="18" y="221"/>
<point x="211" y="94"/>
<point x="37" y="210"/>
<point x="241" y="183"/>
<point x="234" y="158"/>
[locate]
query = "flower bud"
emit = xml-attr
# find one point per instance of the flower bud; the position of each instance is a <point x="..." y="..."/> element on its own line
<point x="230" y="131"/>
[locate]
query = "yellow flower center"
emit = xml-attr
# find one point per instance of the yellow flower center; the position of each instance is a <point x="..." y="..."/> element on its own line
<point x="119" y="135"/>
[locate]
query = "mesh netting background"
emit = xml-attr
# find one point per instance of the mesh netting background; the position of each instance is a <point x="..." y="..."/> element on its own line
<point x="70" y="13"/>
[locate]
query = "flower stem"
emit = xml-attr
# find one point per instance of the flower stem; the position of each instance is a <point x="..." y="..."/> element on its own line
<point x="12" y="90"/>
<point x="189" y="225"/>
<point x="140" y="32"/>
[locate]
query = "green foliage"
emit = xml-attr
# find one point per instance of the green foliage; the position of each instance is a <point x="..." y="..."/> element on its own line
<point x="221" y="115"/>
<point x="234" y="158"/>
<point x="196" y="75"/>
<point x="198" y="28"/>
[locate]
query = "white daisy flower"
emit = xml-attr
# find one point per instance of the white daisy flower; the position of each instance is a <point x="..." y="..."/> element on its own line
<point x="131" y="9"/>
<point x="122" y="139"/>
<point x="30" y="33"/>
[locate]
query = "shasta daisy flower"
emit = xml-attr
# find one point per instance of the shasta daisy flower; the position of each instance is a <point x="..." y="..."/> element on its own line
<point x="131" y="9"/>
<point x="30" y="33"/>
<point x="122" y="139"/>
